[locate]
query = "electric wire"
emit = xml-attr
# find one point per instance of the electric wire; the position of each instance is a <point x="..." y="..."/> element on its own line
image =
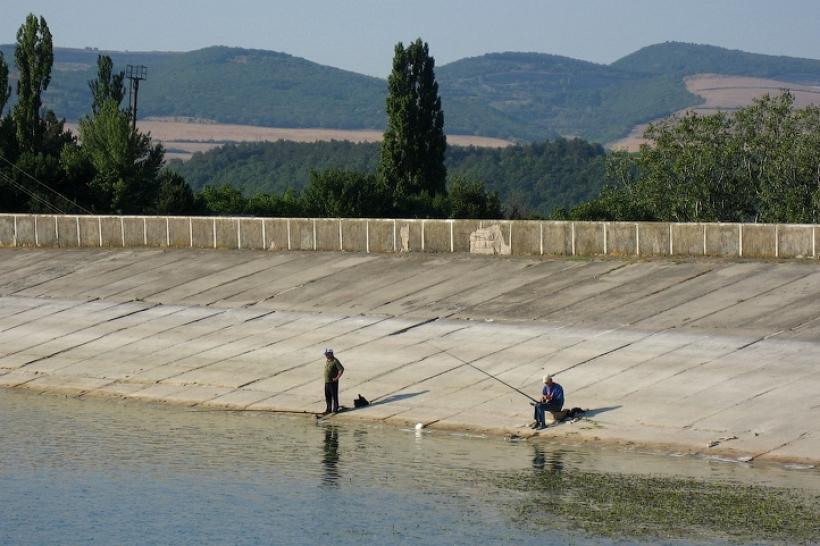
<point x="31" y="194"/>
<point x="43" y="184"/>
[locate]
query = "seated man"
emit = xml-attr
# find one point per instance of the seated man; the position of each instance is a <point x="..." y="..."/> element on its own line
<point x="552" y="400"/>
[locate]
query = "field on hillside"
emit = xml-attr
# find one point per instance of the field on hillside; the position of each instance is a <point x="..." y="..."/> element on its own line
<point x="726" y="93"/>
<point x="184" y="138"/>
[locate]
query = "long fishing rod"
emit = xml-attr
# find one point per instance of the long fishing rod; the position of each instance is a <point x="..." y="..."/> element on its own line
<point x="488" y="374"/>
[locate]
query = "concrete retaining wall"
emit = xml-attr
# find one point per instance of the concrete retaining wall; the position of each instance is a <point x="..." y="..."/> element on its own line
<point x="503" y="237"/>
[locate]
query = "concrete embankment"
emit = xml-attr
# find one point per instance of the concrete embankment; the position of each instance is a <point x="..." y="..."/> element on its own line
<point x="663" y="353"/>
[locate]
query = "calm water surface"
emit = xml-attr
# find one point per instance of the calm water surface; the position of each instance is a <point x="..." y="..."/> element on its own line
<point x="104" y="472"/>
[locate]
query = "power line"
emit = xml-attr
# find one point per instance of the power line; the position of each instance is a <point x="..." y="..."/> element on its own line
<point x="43" y="184"/>
<point x="20" y="187"/>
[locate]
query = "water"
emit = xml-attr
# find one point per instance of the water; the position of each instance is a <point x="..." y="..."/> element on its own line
<point x="109" y="472"/>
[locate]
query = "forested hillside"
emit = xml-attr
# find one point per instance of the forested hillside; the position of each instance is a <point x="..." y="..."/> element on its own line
<point x="517" y="96"/>
<point x="532" y="179"/>
<point x="551" y="95"/>
<point x="229" y="85"/>
<point x="681" y="59"/>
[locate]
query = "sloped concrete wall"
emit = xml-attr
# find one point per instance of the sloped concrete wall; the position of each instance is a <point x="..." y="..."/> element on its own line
<point x="385" y="235"/>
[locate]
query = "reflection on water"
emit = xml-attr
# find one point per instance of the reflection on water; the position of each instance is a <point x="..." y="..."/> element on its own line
<point x="81" y="471"/>
<point x="330" y="460"/>
<point x="549" y="461"/>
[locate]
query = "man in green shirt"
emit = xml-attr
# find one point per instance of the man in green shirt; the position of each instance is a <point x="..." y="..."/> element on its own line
<point x="333" y="372"/>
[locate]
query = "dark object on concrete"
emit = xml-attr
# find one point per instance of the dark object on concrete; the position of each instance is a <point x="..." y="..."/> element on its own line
<point x="563" y="415"/>
<point x="360" y="402"/>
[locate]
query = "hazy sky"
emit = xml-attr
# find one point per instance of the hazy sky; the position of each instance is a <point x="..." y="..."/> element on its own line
<point x="359" y="35"/>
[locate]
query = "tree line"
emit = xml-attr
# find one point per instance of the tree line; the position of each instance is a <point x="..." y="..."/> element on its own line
<point x="112" y="167"/>
<point x="532" y="179"/>
<point x="758" y="164"/>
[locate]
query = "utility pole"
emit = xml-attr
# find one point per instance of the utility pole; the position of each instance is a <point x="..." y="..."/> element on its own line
<point x="135" y="73"/>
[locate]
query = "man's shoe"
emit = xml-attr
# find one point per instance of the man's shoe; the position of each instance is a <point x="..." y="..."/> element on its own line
<point x="541" y="427"/>
<point x="533" y="425"/>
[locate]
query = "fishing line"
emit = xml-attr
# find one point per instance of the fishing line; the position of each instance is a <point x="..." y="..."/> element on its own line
<point x="488" y="374"/>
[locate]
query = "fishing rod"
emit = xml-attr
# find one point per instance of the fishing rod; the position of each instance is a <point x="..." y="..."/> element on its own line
<point x="488" y="374"/>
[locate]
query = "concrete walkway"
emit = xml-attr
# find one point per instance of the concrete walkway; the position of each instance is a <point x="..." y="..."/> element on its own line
<point x="670" y="354"/>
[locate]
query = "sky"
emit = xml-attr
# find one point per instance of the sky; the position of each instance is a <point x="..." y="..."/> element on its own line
<point x="359" y="35"/>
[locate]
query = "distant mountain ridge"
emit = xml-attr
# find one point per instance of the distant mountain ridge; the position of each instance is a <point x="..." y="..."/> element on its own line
<point x="519" y="96"/>
<point x="684" y="59"/>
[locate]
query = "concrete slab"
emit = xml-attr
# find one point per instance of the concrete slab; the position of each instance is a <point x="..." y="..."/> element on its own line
<point x="69" y="385"/>
<point x="16" y="378"/>
<point x="667" y="353"/>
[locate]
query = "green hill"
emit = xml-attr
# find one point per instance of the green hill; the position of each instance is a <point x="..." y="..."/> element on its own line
<point x="520" y="96"/>
<point x="682" y="59"/>
<point x="545" y="95"/>
<point x="228" y="85"/>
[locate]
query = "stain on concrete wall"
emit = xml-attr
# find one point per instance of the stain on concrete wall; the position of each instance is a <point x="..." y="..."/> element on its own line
<point x="489" y="240"/>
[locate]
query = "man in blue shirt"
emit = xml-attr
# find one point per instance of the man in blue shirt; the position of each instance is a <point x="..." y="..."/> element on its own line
<point x="552" y="399"/>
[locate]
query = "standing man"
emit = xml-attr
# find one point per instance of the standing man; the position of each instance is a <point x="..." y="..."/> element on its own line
<point x="333" y="372"/>
<point x="552" y="399"/>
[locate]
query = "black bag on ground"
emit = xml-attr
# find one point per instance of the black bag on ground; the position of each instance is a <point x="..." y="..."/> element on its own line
<point x="360" y="402"/>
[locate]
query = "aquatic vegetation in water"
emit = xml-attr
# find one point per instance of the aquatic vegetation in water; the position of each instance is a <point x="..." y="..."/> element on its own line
<point x="647" y="507"/>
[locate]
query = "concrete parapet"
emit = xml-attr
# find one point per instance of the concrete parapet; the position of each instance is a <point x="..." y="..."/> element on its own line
<point x="328" y="234"/>
<point x="354" y="235"/>
<point x="687" y="240"/>
<point x="89" y="231"/>
<point x="654" y="238"/>
<point x="275" y="234"/>
<point x="557" y="238"/>
<point x="492" y="239"/>
<point x="527" y="238"/>
<point x="25" y="230"/>
<point x="621" y="238"/>
<point x="226" y="233"/>
<point x="758" y="240"/>
<point x="133" y="231"/>
<point x="382" y="236"/>
<point x="202" y="232"/>
<point x="816" y="241"/>
<point x="722" y="240"/>
<point x="462" y="229"/>
<point x="410" y="235"/>
<point x="437" y="236"/>
<point x="46" y="230"/>
<point x="156" y="231"/>
<point x="250" y="233"/>
<point x="179" y="232"/>
<point x="795" y="241"/>
<point x="111" y="231"/>
<point x="7" y="231"/>
<point x="588" y="238"/>
<point x="68" y="228"/>
<point x="300" y="234"/>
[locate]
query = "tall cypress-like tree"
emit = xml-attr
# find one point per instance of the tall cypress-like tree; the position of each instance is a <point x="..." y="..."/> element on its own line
<point x="35" y="57"/>
<point x="5" y="88"/>
<point x="107" y="86"/>
<point x="412" y="153"/>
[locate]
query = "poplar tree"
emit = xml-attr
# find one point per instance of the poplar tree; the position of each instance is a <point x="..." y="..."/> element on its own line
<point x="34" y="56"/>
<point x="108" y="85"/>
<point x="412" y="152"/>
<point x="5" y="88"/>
